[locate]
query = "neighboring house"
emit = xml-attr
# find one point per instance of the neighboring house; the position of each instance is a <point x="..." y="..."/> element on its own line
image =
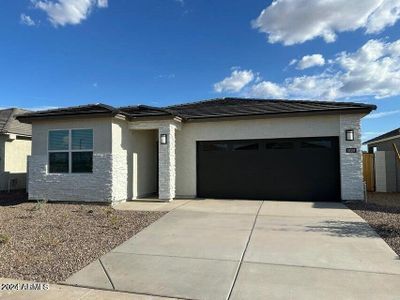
<point x="15" y="147"/>
<point x="387" y="164"/>
<point x="223" y="148"/>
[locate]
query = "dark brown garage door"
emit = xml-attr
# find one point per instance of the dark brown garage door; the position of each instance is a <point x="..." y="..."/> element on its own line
<point x="305" y="169"/>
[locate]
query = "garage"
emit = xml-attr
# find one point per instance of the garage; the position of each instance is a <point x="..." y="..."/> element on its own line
<point x="301" y="169"/>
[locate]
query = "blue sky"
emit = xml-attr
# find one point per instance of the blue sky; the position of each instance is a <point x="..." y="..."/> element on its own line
<point x="123" y="52"/>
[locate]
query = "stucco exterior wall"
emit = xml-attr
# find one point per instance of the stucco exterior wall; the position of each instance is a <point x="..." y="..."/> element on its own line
<point x="134" y="165"/>
<point x="3" y="176"/>
<point x="16" y="154"/>
<point x="101" y="132"/>
<point x="96" y="186"/>
<point x="145" y="163"/>
<point x="3" y="139"/>
<point x="13" y="162"/>
<point x="289" y="127"/>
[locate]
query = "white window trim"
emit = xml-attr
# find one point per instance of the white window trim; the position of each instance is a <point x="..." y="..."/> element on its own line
<point x="69" y="150"/>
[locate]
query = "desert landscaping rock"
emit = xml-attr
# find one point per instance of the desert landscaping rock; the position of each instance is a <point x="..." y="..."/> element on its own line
<point x="382" y="212"/>
<point x="49" y="242"/>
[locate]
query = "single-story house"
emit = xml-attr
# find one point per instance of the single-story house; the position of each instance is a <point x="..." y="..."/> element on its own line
<point x="386" y="161"/>
<point x="15" y="147"/>
<point x="228" y="148"/>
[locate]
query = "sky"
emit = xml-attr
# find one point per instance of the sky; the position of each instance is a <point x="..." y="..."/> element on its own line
<point x="56" y="53"/>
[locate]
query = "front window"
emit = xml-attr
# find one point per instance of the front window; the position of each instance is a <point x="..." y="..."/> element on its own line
<point x="71" y="151"/>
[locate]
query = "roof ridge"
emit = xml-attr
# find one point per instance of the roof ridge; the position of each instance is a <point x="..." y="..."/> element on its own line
<point x="8" y="122"/>
<point x="382" y="136"/>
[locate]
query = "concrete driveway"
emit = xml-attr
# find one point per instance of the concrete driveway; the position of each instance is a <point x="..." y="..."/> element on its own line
<point x="225" y="249"/>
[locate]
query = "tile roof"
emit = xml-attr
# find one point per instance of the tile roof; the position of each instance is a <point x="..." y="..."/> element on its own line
<point x="214" y="108"/>
<point x="387" y="135"/>
<point x="228" y="107"/>
<point x="9" y="123"/>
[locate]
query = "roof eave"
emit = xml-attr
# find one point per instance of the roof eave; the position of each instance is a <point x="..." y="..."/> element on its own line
<point x="28" y="119"/>
<point x="283" y="114"/>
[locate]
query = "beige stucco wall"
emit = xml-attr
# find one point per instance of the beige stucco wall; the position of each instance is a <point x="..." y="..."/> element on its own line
<point x="101" y="133"/>
<point x="13" y="162"/>
<point x="289" y="127"/>
<point x="3" y="139"/>
<point x="16" y="153"/>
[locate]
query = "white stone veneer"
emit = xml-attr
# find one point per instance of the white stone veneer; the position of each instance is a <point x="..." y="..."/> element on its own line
<point x="351" y="163"/>
<point x="167" y="165"/>
<point x="93" y="187"/>
<point x="119" y="177"/>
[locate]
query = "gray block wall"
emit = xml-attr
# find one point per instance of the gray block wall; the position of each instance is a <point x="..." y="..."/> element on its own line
<point x="386" y="172"/>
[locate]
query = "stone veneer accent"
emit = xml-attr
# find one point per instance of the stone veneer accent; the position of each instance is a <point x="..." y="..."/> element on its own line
<point x="351" y="163"/>
<point x="93" y="187"/>
<point x="167" y="166"/>
<point x="119" y="177"/>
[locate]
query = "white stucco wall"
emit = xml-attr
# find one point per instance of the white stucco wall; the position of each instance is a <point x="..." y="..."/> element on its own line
<point x="96" y="186"/>
<point x="289" y="127"/>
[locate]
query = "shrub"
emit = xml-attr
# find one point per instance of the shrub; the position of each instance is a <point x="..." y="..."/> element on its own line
<point x="39" y="205"/>
<point x="4" y="238"/>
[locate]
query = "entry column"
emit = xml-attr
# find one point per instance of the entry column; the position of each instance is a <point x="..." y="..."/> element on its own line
<point x="166" y="162"/>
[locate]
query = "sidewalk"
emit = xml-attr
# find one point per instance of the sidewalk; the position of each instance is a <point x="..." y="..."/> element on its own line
<point x="66" y="292"/>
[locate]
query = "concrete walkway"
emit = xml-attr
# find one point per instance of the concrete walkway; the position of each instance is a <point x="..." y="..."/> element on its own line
<point x="220" y="249"/>
<point x="65" y="292"/>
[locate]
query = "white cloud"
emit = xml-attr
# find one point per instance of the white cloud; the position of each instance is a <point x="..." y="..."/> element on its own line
<point x="267" y="89"/>
<point x="309" y="61"/>
<point x="39" y="108"/>
<point x="371" y="71"/>
<point x="68" y="12"/>
<point x="235" y="82"/>
<point x="102" y="3"/>
<point x="382" y="114"/>
<point x="296" y="21"/>
<point x="27" y="20"/>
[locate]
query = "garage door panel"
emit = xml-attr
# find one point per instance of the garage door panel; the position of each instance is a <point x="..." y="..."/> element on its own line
<point x="287" y="169"/>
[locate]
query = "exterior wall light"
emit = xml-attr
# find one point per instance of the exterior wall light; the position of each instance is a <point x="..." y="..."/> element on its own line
<point x="163" y="139"/>
<point x="350" y="135"/>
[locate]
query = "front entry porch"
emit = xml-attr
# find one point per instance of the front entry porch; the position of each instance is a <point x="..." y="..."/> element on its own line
<point x="154" y="163"/>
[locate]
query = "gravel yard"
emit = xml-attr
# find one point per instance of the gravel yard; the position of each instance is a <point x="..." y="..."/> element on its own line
<point x="382" y="212"/>
<point x="49" y="241"/>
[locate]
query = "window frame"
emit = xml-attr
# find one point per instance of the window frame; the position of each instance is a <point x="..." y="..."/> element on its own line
<point x="69" y="150"/>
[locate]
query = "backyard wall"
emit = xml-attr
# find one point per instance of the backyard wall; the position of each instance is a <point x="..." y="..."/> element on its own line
<point x="387" y="172"/>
